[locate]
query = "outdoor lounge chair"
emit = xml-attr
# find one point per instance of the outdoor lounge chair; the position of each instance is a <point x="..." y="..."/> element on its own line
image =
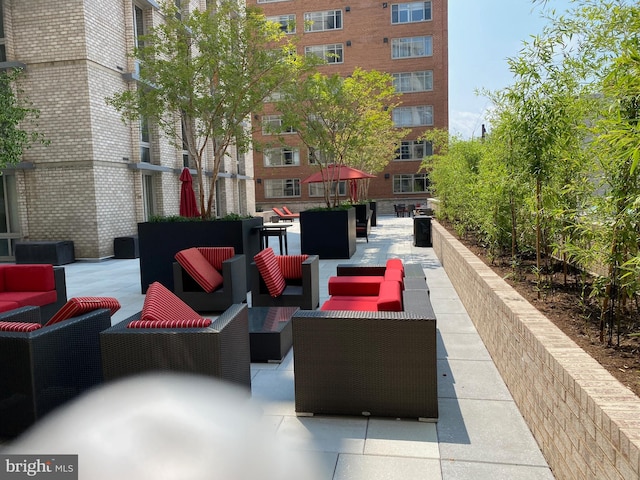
<point x="42" y="367"/>
<point x="285" y="280"/>
<point x="210" y="279"/>
<point x="167" y="335"/>
<point x="284" y="216"/>
<point x="289" y="212"/>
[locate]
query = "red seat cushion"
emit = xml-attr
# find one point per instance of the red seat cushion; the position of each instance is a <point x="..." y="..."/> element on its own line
<point x="196" y="265"/>
<point x="390" y="297"/>
<point x="23" y="299"/>
<point x="270" y="272"/>
<point x="79" y="305"/>
<point x="352" y="303"/>
<point x="395" y="263"/>
<point x="6" y="305"/>
<point x="355" y="285"/>
<point x="193" y="323"/>
<point x="291" y="265"/>
<point x="216" y="255"/>
<point x="162" y="304"/>
<point x="29" y="278"/>
<point x="19" y="326"/>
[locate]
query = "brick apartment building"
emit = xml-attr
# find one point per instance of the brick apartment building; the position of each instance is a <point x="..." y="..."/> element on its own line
<point x="98" y="177"/>
<point x="408" y="40"/>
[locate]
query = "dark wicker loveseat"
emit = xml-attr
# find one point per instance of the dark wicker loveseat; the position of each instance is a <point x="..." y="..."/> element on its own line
<point x="42" y="369"/>
<point x="220" y="350"/>
<point x="368" y="363"/>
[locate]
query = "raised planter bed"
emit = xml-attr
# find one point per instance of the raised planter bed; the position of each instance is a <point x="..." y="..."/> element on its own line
<point x="584" y="420"/>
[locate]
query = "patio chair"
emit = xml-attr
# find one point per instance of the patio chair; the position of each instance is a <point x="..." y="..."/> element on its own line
<point x="285" y="280"/>
<point x="210" y="279"/>
<point x="168" y="335"/>
<point x="289" y="212"/>
<point x="284" y="216"/>
<point x="42" y="367"/>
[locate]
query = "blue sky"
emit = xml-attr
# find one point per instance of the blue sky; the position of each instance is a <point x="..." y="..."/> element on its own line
<point x="482" y="35"/>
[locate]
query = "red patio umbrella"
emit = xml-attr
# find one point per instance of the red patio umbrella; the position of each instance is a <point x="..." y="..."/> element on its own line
<point x="336" y="174"/>
<point x="188" y="204"/>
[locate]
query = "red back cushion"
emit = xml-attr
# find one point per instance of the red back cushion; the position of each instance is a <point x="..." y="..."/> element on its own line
<point x="390" y="297"/>
<point x="291" y="265"/>
<point x="79" y="305"/>
<point x="270" y="271"/>
<point x="394" y="274"/>
<point x="216" y="255"/>
<point x="395" y="263"/>
<point x="193" y="323"/>
<point x="29" y="278"/>
<point x="162" y="304"/>
<point x="203" y="272"/>
<point x="19" y="326"/>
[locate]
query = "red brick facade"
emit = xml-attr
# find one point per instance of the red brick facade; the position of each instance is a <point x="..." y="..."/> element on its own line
<point x="366" y="36"/>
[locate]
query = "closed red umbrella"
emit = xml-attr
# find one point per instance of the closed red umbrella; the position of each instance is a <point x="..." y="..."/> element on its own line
<point x="188" y="204"/>
<point x="336" y="174"/>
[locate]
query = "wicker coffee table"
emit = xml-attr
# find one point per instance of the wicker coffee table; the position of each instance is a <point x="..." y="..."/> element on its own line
<point x="270" y="333"/>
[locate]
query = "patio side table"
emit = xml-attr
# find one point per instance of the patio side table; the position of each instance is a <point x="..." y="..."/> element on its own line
<point x="270" y="333"/>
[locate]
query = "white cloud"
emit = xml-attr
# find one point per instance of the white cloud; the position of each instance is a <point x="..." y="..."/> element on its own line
<point x="466" y="124"/>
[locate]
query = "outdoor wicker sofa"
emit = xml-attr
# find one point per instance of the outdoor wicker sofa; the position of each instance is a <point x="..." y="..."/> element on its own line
<point x="220" y="350"/>
<point x="42" y="369"/>
<point x="368" y="363"/>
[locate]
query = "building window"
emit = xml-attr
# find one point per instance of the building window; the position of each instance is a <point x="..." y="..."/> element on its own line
<point x="414" y="150"/>
<point x="145" y="145"/>
<point x="281" y="157"/>
<point x="411" y="183"/>
<point x="178" y="4"/>
<point x="331" y="53"/>
<point x="148" y="196"/>
<point x="410" y="82"/>
<point x="287" y="22"/>
<point x="286" y="187"/>
<point x="318" y="157"/>
<point x="413" y="116"/>
<point x="317" y="189"/>
<point x="322" y="21"/>
<point x="273" y="124"/>
<point x="185" y="146"/>
<point x="410" y="12"/>
<point x="411" y="47"/>
<point x="3" y="49"/>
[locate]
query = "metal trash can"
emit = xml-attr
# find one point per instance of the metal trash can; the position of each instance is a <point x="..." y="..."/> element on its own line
<point x="422" y="231"/>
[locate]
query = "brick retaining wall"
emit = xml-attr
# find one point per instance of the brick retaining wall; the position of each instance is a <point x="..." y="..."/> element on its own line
<point x="586" y="422"/>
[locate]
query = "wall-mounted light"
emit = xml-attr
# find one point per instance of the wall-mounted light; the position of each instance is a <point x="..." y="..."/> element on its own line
<point x="348" y="43"/>
<point x="387" y="176"/>
<point x="384" y="5"/>
<point x="259" y="180"/>
<point x="256" y="117"/>
<point x="385" y="40"/>
<point x="347" y="9"/>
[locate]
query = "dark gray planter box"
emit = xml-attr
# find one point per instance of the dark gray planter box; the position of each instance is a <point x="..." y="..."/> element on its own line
<point x="328" y="233"/>
<point x="374" y="208"/>
<point x="160" y="241"/>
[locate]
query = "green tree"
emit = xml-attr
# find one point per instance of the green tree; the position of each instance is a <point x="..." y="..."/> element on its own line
<point x="213" y="69"/>
<point x="18" y="120"/>
<point x="343" y="120"/>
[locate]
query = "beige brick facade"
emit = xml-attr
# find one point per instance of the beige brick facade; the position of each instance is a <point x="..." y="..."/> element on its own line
<point x="584" y="420"/>
<point x="88" y="184"/>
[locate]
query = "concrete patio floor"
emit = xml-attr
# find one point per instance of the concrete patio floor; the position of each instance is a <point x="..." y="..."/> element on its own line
<point x="480" y="433"/>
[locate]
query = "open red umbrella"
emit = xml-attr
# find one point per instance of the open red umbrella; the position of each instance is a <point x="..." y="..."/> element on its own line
<point x="336" y="174"/>
<point x="188" y="204"/>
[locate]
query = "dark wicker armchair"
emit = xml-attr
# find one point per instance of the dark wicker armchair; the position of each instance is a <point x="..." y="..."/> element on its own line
<point x="42" y="369"/>
<point x="220" y="350"/>
<point x="233" y="289"/>
<point x="303" y="292"/>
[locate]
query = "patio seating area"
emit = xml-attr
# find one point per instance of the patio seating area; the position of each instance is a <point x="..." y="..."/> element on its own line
<point x="479" y="432"/>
